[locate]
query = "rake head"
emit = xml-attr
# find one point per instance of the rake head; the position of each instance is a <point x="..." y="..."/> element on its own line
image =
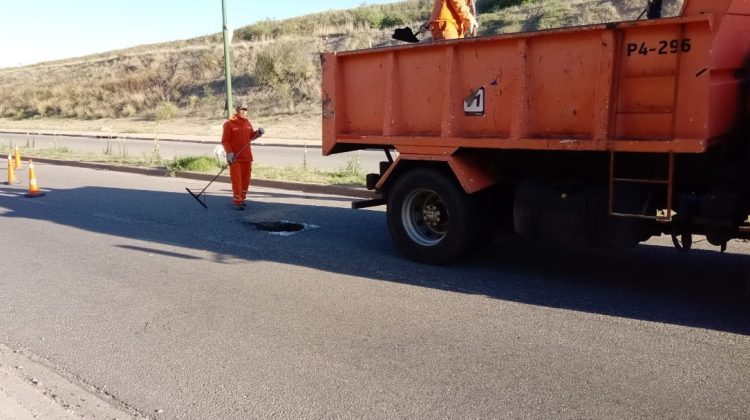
<point x="197" y="198"/>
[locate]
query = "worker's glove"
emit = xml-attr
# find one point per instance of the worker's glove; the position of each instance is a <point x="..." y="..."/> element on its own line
<point x="259" y="132"/>
<point x="473" y="26"/>
<point x="230" y="158"/>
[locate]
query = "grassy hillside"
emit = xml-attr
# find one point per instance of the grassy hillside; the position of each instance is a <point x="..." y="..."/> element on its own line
<point x="275" y="64"/>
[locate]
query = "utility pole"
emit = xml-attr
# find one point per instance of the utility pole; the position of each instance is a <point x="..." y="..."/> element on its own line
<point x="227" y="57"/>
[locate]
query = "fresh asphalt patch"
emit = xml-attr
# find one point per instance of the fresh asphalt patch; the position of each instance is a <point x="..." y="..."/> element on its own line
<point x="280" y="227"/>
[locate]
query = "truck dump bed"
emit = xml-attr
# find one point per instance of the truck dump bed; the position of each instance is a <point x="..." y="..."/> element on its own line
<point x="664" y="85"/>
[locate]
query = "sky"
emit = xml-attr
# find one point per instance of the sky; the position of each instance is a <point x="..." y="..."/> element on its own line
<point x="33" y="31"/>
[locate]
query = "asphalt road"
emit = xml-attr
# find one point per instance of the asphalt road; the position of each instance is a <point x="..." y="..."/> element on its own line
<point x="123" y="283"/>
<point x="264" y="154"/>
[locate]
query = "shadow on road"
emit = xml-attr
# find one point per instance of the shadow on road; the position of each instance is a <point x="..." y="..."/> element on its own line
<point x="652" y="283"/>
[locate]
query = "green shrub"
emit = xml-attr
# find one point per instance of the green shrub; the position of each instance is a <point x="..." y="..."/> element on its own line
<point x="392" y="20"/>
<point x="283" y="97"/>
<point x="260" y="30"/>
<point x="25" y="113"/>
<point x="376" y="16"/>
<point x="192" y="164"/>
<point x="489" y="6"/>
<point x="371" y="16"/>
<point x="48" y="109"/>
<point x="287" y="67"/>
<point x="166" y="111"/>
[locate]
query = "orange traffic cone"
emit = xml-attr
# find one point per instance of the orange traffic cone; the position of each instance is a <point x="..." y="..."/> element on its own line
<point x="33" y="186"/>
<point x="11" y="173"/>
<point x="17" y="164"/>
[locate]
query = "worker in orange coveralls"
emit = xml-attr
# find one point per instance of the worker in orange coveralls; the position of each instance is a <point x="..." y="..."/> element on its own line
<point x="453" y="19"/>
<point x="238" y="132"/>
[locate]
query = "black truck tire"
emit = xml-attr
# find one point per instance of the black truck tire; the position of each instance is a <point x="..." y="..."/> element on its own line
<point x="431" y="219"/>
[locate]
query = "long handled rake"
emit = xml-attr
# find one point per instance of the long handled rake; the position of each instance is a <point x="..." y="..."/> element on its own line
<point x="197" y="196"/>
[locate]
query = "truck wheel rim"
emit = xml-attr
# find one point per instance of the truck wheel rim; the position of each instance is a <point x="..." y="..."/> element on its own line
<point x="425" y="217"/>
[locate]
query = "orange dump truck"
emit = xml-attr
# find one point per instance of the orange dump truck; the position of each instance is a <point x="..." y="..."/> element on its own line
<point x="601" y="135"/>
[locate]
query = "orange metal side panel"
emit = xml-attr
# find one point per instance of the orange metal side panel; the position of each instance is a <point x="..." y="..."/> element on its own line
<point x="363" y="109"/>
<point x="664" y="85"/>
<point x="663" y="91"/>
<point x="563" y="71"/>
<point x="739" y="7"/>
<point x="330" y="77"/>
<point x="470" y="173"/>
<point x="716" y="8"/>
<point x="693" y="91"/>
<point x="419" y="102"/>
<point x="731" y="50"/>
<point x="467" y="169"/>
<point x="499" y="76"/>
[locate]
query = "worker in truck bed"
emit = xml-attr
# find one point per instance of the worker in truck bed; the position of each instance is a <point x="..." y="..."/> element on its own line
<point x="453" y="19"/>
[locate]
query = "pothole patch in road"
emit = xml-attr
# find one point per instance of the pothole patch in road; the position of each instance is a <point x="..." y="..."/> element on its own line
<point x="281" y="227"/>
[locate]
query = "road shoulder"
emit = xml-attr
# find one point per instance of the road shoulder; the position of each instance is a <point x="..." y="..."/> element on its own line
<point x="31" y="390"/>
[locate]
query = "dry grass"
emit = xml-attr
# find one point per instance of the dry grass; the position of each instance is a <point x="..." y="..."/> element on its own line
<point x="305" y="126"/>
<point x="275" y="66"/>
<point x="537" y="15"/>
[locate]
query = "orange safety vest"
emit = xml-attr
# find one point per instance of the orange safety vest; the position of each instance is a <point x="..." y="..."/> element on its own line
<point x="237" y="134"/>
<point x="450" y="19"/>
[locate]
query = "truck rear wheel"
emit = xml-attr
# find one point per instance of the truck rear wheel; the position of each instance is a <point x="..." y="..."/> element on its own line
<point x="431" y="218"/>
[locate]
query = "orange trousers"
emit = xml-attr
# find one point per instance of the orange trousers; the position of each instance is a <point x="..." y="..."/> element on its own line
<point x="444" y="30"/>
<point x="240" y="172"/>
